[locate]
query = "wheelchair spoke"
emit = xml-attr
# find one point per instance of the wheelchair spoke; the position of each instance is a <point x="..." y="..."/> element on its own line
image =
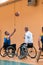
<point x="10" y="51"/>
<point x="3" y="52"/>
<point x="32" y="52"/>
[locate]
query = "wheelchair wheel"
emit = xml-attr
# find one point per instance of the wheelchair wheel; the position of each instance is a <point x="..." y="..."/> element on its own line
<point x="22" y="54"/>
<point x="32" y="52"/>
<point x="10" y="51"/>
<point x="3" y="52"/>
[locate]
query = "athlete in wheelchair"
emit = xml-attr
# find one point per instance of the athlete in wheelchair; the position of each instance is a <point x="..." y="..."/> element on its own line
<point x="27" y="48"/>
<point x="8" y="48"/>
<point x="40" y="40"/>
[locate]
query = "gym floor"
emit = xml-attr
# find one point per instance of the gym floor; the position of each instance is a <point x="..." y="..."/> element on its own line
<point x="15" y="60"/>
<point x="12" y="63"/>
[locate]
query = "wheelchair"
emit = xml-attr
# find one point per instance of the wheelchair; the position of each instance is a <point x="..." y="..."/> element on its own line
<point x="23" y="51"/>
<point x="8" y="50"/>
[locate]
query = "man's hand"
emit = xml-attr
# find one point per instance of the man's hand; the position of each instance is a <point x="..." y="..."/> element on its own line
<point x="40" y="48"/>
<point x="14" y="30"/>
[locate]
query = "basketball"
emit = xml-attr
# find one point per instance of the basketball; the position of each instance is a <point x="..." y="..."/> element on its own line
<point x="17" y="13"/>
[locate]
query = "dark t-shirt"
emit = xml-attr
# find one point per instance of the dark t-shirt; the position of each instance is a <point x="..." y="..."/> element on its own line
<point x="7" y="41"/>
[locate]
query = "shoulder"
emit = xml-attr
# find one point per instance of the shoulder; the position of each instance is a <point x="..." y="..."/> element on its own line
<point x="29" y="32"/>
<point x="6" y="37"/>
<point x="41" y="34"/>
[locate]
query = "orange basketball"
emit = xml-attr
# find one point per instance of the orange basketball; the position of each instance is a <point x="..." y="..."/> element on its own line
<point x="17" y="13"/>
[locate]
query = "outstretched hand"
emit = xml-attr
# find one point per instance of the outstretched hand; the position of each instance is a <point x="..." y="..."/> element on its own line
<point x="15" y="30"/>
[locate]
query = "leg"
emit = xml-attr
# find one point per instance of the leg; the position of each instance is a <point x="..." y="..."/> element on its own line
<point x="39" y="44"/>
<point x="21" y="48"/>
<point x="38" y="57"/>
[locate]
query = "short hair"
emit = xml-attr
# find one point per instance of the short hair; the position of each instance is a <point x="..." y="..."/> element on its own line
<point x="26" y="28"/>
<point x="5" y="32"/>
<point x="42" y="28"/>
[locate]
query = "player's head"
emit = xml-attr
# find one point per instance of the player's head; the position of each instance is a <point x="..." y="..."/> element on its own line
<point x="6" y="33"/>
<point x="42" y="29"/>
<point x="26" y="29"/>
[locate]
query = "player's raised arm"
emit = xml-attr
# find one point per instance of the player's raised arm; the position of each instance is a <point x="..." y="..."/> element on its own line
<point x="12" y="33"/>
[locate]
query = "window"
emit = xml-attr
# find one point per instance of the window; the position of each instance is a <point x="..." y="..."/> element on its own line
<point x="32" y="2"/>
<point x="3" y="1"/>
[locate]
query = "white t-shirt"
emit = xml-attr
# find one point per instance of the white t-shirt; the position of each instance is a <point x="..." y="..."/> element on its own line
<point x="28" y="37"/>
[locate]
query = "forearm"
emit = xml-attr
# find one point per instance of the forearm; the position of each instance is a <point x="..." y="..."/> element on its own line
<point x="11" y="34"/>
<point x="39" y="44"/>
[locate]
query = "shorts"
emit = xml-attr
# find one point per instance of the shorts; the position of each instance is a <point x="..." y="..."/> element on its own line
<point x="5" y="46"/>
<point x="29" y="45"/>
<point x="14" y="46"/>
